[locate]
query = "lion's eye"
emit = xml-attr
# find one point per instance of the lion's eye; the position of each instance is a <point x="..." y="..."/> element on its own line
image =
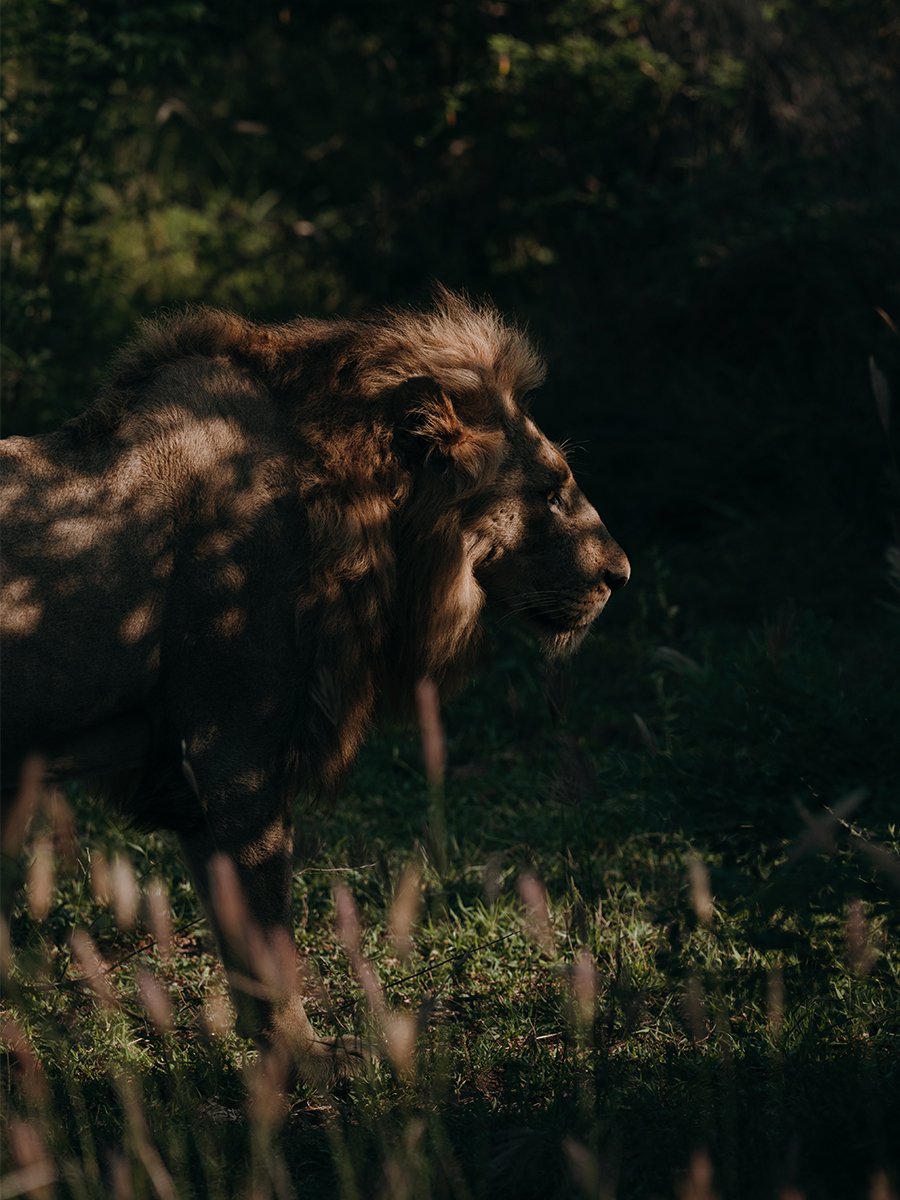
<point x="554" y="499"/>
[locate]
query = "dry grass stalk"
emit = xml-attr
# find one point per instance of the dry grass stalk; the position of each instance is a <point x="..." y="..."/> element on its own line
<point x="100" y="885"/>
<point x="404" y="911"/>
<point x="397" y="1031"/>
<point x="698" y="1179"/>
<point x="150" y="1158"/>
<point x="155" y="1000"/>
<point x="880" y="1187"/>
<point x="62" y="823"/>
<point x="537" y="913"/>
<point x="682" y="664"/>
<point x="401" y="1176"/>
<point x="650" y="742"/>
<point x="859" y="950"/>
<point x="346" y="920"/>
<point x="273" y="956"/>
<point x="36" y="1169"/>
<point x="818" y="836"/>
<point x="492" y="879"/>
<point x="701" y="895"/>
<point x="584" y="988"/>
<point x="120" y="1176"/>
<point x="270" y="956"/>
<point x="124" y="892"/>
<point x="159" y="918"/>
<point x="228" y="899"/>
<point x="268" y="1081"/>
<point x="30" y="1075"/>
<point x="350" y="932"/>
<point x="94" y="971"/>
<point x="18" y="813"/>
<point x="218" y="1016"/>
<point x="40" y="879"/>
<point x="428" y="711"/>
<point x="585" y="1170"/>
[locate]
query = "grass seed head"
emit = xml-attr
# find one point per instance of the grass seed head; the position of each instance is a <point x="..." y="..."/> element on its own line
<point x="701" y="895"/>
<point x="428" y="711"/>
<point x="18" y="812"/>
<point x="100" y="885"/>
<point x="880" y="1187"/>
<point x="859" y="950"/>
<point x="267" y="1086"/>
<point x="62" y="823"/>
<point x="399" y="1033"/>
<point x="698" y="1179"/>
<point x="404" y="910"/>
<point x="155" y="1000"/>
<point x="218" y="1015"/>
<point x="29" y="1153"/>
<point x="29" y="1074"/>
<point x="93" y="969"/>
<point x="124" y="892"/>
<point x="584" y="988"/>
<point x="584" y="1168"/>
<point x="159" y="917"/>
<point x="492" y="879"/>
<point x="40" y="879"/>
<point x="346" y="920"/>
<point x="120" y="1176"/>
<point x="537" y="913"/>
<point x="228" y="900"/>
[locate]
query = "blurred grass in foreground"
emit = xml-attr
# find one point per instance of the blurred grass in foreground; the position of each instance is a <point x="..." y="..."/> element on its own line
<point x="659" y="960"/>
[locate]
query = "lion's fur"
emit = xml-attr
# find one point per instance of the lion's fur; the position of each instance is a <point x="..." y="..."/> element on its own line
<point x="256" y="535"/>
<point x="386" y="559"/>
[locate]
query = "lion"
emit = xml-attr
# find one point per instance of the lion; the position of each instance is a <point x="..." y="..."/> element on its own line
<point x="256" y="537"/>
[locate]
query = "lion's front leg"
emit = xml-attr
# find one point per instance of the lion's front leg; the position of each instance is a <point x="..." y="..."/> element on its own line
<point x="241" y="863"/>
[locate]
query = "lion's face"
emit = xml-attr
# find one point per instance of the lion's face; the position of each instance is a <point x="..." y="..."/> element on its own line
<point x="539" y="548"/>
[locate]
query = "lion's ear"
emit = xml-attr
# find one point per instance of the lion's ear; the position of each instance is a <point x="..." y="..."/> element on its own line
<point x="428" y="427"/>
<point x="426" y="419"/>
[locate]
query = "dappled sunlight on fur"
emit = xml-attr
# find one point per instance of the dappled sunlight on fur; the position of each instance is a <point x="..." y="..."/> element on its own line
<point x="255" y="537"/>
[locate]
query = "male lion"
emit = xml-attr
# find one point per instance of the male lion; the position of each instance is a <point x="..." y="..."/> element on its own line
<point x="215" y="574"/>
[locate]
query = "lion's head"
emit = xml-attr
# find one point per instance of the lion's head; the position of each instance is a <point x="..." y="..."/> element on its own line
<point x="489" y="508"/>
<point x="539" y="548"/>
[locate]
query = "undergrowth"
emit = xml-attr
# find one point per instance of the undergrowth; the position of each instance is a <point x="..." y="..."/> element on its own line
<point x="648" y="949"/>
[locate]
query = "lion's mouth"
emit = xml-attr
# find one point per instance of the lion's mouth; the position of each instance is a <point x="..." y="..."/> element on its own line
<point x="566" y="622"/>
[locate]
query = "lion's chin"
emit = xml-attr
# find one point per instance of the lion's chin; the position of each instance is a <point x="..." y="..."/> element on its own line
<point x="562" y="643"/>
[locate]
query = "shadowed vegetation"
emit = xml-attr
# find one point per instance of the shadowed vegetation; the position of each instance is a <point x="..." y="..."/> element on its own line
<point x="693" y="207"/>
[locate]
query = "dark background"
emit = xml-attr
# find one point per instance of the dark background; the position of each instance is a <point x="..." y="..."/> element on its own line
<point x="692" y="205"/>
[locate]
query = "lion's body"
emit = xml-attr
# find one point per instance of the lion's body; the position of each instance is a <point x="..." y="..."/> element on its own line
<point x="215" y="574"/>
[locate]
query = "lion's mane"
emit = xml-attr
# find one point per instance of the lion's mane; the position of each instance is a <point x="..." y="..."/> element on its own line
<point x="388" y="596"/>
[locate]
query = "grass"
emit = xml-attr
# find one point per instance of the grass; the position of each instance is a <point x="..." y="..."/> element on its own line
<point x="708" y="1005"/>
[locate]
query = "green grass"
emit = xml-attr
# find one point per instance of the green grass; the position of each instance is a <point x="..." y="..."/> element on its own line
<point x="761" y="1042"/>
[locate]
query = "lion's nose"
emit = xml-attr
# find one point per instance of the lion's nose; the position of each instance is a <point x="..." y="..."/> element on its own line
<point x="617" y="572"/>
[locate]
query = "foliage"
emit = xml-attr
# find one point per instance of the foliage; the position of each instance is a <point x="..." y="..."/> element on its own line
<point x="642" y="170"/>
<point x="694" y="206"/>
